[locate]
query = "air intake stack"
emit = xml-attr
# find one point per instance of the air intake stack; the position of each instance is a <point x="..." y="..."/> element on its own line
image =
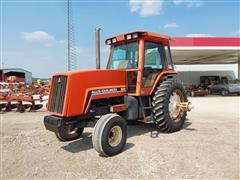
<point x="97" y="35"/>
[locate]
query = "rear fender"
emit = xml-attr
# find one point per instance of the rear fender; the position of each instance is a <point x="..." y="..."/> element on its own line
<point x="160" y="77"/>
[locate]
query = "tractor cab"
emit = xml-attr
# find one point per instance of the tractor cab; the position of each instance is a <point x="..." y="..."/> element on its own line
<point x="144" y="55"/>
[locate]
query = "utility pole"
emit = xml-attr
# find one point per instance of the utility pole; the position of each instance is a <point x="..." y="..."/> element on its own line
<point x="1" y="35"/>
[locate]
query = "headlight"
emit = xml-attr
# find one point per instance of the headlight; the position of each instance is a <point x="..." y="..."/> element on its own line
<point x="114" y="40"/>
<point x="135" y="35"/>
<point x="108" y="42"/>
<point x="128" y="37"/>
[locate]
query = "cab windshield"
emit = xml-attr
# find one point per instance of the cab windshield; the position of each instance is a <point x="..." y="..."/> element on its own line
<point x="124" y="56"/>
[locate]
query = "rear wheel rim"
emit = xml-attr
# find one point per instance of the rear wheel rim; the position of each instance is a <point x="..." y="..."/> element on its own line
<point x="174" y="111"/>
<point x="115" y="136"/>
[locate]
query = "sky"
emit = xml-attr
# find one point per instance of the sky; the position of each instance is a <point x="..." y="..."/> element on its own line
<point x="34" y="32"/>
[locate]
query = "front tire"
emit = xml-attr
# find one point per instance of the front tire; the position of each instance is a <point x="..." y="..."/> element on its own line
<point x="224" y="92"/>
<point x="166" y="115"/>
<point x="68" y="133"/>
<point x="110" y="135"/>
<point x="20" y="108"/>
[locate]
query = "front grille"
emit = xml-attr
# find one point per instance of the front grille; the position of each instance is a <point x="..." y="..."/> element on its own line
<point x="59" y="84"/>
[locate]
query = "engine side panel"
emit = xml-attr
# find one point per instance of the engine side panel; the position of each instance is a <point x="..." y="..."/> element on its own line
<point x="85" y="86"/>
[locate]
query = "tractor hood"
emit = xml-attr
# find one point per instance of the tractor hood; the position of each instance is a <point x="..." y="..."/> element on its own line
<point x="84" y="86"/>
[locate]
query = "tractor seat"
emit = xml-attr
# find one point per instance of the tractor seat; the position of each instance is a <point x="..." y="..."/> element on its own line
<point x="149" y="80"/>
<point x="124" y="64"/>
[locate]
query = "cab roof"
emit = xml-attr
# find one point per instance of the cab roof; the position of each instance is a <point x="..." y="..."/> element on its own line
<point x="142" y="34"/>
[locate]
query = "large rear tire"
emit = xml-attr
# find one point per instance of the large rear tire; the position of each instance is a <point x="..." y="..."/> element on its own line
<point x="166" y="115"/>
<point x="110" y="135"/>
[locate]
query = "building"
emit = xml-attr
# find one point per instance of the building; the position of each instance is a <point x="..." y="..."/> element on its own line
<point x="198" y="57"/>
<point x="22" y="75"/>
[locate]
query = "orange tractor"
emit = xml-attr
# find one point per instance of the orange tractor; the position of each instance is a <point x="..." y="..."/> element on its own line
<point x="138" y="84"/>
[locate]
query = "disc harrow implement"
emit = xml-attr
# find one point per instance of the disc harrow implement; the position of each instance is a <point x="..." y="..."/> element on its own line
<point x="21" y="98"/>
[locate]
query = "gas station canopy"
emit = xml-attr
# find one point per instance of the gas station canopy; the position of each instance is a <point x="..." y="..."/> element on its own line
<point x="205" y="50"/>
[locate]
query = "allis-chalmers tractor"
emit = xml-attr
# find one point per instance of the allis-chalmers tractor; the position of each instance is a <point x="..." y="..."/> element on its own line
<point x="138" y="84"/>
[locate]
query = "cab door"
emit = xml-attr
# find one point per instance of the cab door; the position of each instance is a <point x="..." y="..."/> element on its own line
<point x="125" y="57"/>
<point x="153" y="64"/>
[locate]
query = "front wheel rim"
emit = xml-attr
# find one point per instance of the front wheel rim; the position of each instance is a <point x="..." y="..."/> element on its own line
<point x="115" y="136"/>
<point x="71" y="130"/>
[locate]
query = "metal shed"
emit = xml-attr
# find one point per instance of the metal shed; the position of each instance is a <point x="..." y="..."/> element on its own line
<point x="24" y="75"/>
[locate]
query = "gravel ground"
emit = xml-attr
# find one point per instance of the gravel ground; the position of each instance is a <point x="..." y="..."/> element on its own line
<point x="207" y="148"/>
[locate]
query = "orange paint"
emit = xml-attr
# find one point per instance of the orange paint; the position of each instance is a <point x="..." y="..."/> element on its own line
<point x="87" y="85"/>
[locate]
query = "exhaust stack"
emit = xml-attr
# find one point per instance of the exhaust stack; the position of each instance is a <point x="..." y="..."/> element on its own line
<point x="97" y="36"/>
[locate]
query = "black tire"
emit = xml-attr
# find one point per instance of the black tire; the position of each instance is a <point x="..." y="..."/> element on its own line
<point x="38" y="106"/>
<point x="224" y="92"/>
<point x="21" y="108"/>
<point x="101" y="136"/>
<point x="27" y="106"/>
<point x="3" y="107"/>
<point x="160" y="105"/>
<point x="8" y="107"/>
<point x="14" y="106"/>
<point x="209" y="91"/>
<point x="69" y="133"/>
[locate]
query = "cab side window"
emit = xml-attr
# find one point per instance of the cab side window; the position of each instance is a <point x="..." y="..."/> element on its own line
<point x="168" y="57"/>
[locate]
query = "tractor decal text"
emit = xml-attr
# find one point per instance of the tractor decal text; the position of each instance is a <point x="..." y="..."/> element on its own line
<point x="109" y="90"/>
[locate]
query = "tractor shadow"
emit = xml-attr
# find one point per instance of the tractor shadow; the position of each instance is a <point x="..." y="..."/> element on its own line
<point x="85" y="143"/>
<point x="142" y="129"/>
<point x="187" y="124"/>
<point x="139" y="129"/>
<point x="149" y="129"/>
<point x="82" y="144"/>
